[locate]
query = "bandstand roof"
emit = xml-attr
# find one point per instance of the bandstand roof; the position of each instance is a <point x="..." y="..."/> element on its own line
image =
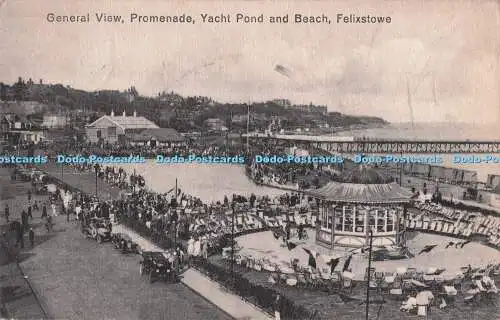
<point x="361" y="193"/>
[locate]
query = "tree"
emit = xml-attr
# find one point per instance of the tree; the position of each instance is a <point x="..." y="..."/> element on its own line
<point x="134" y="92"/>
<point x="3" y="91"/>
<point x="20" y="90"/>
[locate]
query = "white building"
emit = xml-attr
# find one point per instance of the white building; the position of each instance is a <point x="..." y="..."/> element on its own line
<point x="54" y="121"/>
<point x="114" y="129"/>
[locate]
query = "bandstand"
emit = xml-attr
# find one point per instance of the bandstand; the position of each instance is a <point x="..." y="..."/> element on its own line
<point x="364" y="201"/>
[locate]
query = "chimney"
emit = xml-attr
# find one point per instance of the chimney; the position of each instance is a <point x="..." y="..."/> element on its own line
<point x="124" y="114"/>
<point x="113" y="113"/>
<point x="135" y="113"/>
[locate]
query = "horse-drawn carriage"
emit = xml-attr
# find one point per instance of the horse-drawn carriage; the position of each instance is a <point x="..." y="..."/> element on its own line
<point x="124" y="243"/>
<point x="158" y="265"/>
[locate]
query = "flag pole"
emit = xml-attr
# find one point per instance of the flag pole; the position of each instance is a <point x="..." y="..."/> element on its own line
<point x="248" y="127"/>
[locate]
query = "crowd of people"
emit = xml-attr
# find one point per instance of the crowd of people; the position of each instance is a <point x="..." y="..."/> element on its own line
<point x="180" y="215"/>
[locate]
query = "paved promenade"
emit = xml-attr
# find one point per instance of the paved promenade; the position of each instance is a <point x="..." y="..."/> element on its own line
<point x="231" y="304"/>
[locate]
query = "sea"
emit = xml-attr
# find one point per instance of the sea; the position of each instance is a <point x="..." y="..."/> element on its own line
<point x="211" y="182"/>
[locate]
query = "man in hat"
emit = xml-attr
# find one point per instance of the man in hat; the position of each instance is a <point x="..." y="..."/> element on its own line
<point x="44" y="210"/>
<point x="24" y="220"/>
<point x="32" y="237"/>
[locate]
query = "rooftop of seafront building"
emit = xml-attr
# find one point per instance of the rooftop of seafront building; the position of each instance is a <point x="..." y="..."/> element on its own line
<point x="125" y="122"/>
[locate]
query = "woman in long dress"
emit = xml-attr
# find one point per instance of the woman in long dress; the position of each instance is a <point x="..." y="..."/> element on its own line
<point x="190" y="250"/>
<point x="204" y="249"/>
<point x="197" y="248"/>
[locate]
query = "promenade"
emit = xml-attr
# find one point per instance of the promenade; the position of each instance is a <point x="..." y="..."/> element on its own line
<point x="210" y="290"/>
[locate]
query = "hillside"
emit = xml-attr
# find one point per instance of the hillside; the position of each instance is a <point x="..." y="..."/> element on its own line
<point x="173" y="110"/>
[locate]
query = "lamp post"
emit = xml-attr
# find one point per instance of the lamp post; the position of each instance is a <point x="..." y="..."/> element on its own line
<point x="62" y="172"/>
<point x="370" y="231"/>
<point x="96" y="172"/>
<point x="232" y="241"/>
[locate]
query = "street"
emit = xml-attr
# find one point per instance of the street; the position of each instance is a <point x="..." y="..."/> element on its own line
<point x="77" y="278"/>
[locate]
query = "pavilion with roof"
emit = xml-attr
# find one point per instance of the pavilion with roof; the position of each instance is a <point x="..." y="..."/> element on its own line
<point x="113" y="129"/>
<point x="365" y="200"/>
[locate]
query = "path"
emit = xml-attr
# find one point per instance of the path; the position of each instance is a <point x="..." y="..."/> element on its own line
<point x="207" y="288"/>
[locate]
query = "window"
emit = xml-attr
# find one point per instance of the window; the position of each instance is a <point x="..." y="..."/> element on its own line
<point x="112" y="132"/>
<point x="390" y="220"/>
<point x="339" y="219"/>
<point x="349" y="219"/>
<point x="372" y="218"/>
<point x="360" y="219"/>
<point x="326" y="218"/>
<point x="99" y="134"/>
<point x="381" y="220"/>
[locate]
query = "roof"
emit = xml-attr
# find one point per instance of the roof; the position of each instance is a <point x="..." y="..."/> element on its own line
<point x="366" y="175"/>
<point x="127" y="122"/>
<point x="160" y="134"/>
<point x="361" y="193"/>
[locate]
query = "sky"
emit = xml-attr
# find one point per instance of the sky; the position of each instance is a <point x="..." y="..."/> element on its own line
<point x="444" y="54"/>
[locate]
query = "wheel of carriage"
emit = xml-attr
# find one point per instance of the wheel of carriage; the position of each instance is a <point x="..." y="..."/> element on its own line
<point x="151" y="277"/>
<point x="141" y="269"/>
<point x="99" y="238"/>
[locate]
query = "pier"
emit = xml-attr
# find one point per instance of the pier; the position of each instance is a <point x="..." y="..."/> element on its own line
<point x="352" y="145"/>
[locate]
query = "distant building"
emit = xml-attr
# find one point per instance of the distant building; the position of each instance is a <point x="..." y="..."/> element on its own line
<point x="113" y="129"/>
<point x="215" y="124"/>
<point x="54" y="121"/>
<point x="239" y="118"/>
<point x="310" y="108"/>
<point x="282" y="102"/>
<point x="18" y="129"/>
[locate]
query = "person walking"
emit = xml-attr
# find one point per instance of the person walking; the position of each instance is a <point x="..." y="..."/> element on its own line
<point x="32" y="237"/>
<point x="24" y="221"/>
<point x="18" y="228"/>
<point x="7" y="213"/>
<point x="30" y="215"/>
<point x="54" y="210"/>
<point x="180" y="254"/>
<point x="44" y="211"/>
<point x="78" y="210"/>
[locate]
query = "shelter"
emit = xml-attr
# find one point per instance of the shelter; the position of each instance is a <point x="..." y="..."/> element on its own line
<point x="364" y="201"/>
